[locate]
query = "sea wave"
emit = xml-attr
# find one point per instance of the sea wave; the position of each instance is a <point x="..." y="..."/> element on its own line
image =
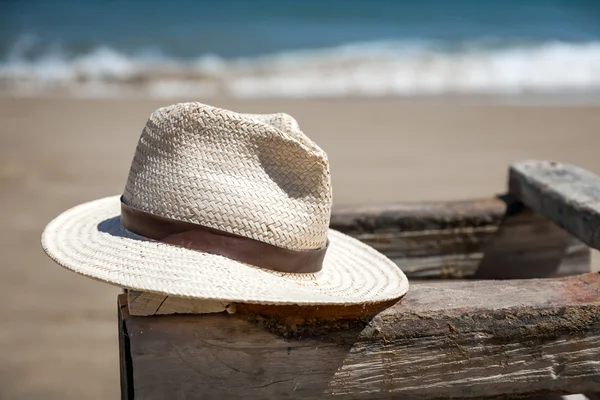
<point x="383" y="68"/>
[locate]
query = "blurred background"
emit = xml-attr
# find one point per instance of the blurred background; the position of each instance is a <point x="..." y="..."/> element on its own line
<point x="267" y="48"/>
<point x="412" y="100"/>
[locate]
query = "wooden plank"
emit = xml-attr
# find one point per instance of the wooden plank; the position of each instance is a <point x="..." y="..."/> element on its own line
<point x="145" y="303"/>
<point x="475" y="339"/>
<point x="195" y="306"/>
<point x="568" y="195"/>
<point x="455" y="239"/>
<point x="529" y="245"/>
<point x="153" y="303"/>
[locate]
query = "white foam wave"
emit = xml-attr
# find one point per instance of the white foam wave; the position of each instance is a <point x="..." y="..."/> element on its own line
<point x="363" y="69"/>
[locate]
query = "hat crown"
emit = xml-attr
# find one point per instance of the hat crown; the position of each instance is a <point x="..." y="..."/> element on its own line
<point x="256" y="176"/>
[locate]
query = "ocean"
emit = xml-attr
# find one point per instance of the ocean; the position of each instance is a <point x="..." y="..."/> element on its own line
<point x="308" y="48"/>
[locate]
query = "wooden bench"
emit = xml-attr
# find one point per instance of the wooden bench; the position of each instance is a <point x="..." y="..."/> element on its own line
<point x="459" y="332"/>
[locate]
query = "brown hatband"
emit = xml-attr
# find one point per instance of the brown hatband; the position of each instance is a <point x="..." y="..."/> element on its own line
<point x="239" y="248"/>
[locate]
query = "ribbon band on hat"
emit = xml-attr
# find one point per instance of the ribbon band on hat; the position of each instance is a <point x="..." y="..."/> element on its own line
<point x="239" y="248"/>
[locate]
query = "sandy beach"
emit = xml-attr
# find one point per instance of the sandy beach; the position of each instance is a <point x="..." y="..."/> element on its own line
<point x="58" y="336"/>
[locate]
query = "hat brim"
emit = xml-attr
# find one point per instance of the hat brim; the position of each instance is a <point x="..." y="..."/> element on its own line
<point x="89" y="240"/>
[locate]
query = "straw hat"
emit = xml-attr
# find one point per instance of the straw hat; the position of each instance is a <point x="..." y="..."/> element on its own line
<point x="223" y="206"/>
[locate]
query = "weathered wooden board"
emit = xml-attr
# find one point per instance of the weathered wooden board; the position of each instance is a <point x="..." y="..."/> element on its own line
<point x="477" y="339"/>
<point x="568" y="195"/>
<point x="489" y="238"/>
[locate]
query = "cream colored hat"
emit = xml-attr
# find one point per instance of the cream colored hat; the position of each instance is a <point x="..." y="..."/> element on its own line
<point x="223" y="206"/>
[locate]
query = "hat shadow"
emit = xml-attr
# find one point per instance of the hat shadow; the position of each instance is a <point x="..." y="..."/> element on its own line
<point x="112" y="226"/>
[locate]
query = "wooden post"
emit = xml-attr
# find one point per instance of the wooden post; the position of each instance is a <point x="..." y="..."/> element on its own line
<point x="479" y="339"/>
<point x="568" y="195"/>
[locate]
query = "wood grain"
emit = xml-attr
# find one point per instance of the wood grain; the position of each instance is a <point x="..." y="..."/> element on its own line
<point x="477" y="339"/>
<point x="486" y="238"/>
<point x="567" y="194"/>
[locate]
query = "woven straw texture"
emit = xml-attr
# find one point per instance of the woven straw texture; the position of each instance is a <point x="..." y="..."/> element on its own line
<point x="257" y="176"/>
<point x="254" y="176"/>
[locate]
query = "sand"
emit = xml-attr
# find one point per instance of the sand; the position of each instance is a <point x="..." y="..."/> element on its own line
<point x="58" y="335"/>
